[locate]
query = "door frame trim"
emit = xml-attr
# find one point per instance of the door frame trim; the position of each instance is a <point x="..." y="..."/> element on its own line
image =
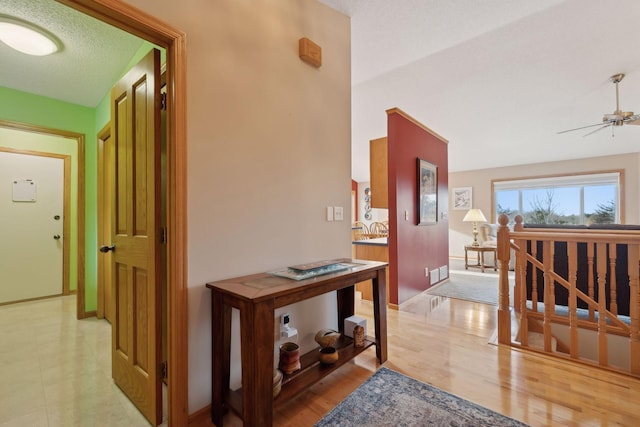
<point x="80" y="210"/>
<point x="143" y="25"/>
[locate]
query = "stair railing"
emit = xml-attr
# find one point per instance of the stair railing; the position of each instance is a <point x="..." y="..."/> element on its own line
<point x="599" y="294"/>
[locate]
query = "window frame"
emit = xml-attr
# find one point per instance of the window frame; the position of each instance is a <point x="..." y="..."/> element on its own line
<point x="580" y="179"/>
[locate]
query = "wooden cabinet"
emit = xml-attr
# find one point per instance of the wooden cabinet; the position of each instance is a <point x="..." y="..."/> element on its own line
<point x="378" y="169"/>
<point x="373" y="251"/>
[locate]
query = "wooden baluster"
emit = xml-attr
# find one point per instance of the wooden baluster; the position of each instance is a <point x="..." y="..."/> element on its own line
<point x="520" y="282"/>
<point x="590" y="285"/>
<point x="534" y="277"/>
<point x="519" y="292"/>
<point x="634" y="307"/>
<point x="572" y="252"/>
<point x="547" y="261"/>
<point x="613" y="287"/>
<point x="517" y="286"/>
<point x="603" y="352"/>
<point x="504" y="252"/>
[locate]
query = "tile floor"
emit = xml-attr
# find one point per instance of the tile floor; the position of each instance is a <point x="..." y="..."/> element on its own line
<point x="56" y="370"/>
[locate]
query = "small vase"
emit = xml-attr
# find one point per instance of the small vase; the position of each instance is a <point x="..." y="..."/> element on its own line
<point x="327" y="337"/>
<point x="328" y="355"/>
<point x="289" y="357"/>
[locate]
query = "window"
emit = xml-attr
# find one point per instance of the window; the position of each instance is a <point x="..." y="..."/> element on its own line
<point x="572" y="199"/>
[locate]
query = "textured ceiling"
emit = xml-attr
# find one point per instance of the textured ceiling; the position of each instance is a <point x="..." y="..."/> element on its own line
<point x="93" y="58"/>
<point x="497" y="78"/>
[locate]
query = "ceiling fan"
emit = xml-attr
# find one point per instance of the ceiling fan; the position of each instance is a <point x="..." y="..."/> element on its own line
<point x="618" y="118"/>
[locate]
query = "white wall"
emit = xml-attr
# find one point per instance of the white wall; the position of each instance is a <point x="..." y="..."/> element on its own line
<point x="480" y="180"/>
<point x="268" y="149"/>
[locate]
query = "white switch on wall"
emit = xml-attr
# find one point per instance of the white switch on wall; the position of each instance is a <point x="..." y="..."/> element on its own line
<point x="338" y="213"/>
<point x="329" y="213"/>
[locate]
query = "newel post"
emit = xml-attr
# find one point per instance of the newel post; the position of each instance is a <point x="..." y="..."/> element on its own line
<point x="504" y="252"/>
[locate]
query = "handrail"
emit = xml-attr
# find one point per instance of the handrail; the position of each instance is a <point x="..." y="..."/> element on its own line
<point x="595" y="254"/>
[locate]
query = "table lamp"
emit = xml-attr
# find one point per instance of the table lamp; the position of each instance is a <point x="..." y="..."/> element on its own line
<point x="475" y="216"/>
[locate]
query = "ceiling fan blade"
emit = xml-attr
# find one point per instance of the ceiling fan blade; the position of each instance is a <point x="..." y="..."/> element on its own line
<point x="598" y="130"/>
<point x="584" y="127"/>
<point x="632" y="120"/>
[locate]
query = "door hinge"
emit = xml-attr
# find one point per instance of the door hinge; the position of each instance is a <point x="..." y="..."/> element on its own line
<point x="163" y="101"/>
<point x="163" y="235"/>
<point x="164" y="371"/>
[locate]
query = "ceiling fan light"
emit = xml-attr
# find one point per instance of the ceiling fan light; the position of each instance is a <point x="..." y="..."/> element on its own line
<point x="27" y="38"/>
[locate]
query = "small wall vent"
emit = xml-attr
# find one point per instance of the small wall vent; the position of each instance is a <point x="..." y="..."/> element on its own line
<point x="434" y="276"/>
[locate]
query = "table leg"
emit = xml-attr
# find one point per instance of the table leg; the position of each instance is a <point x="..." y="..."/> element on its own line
<point x="346" y="304"/>
<point x="379" y="284"/>
<point x="481" y="260"/>
<point x="466" y="259"/>
<point x="220" y="360"/>
<point x="257" y="363"/>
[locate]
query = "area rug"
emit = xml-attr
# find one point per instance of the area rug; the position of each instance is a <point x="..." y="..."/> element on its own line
<point x="389" y="398"/>
<point x="469" y="286"/>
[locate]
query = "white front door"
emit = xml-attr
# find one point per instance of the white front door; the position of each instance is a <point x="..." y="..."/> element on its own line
<point x="31" y="226"/>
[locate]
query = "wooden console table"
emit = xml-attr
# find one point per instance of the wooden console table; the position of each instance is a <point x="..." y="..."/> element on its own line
<point x="480" y="259"/>
<point x="256" y="297"/>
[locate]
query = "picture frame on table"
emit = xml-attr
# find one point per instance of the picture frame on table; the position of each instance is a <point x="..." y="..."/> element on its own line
<point x="462" y="198"/>
<point x="427" y="192"/>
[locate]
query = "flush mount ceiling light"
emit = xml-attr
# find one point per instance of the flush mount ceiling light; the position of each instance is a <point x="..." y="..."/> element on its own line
<point x="27" y="38"/>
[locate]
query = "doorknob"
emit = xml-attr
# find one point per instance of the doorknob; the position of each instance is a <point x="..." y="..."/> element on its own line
<point x="56" y="237"/>
<point x="105" y="249"/>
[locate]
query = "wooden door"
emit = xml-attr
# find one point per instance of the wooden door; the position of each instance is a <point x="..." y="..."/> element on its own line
<point x="106" y="168"/>
<point x="135" y="121"/>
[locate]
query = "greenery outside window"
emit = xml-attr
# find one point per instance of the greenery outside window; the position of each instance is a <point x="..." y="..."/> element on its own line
<point x="571" y="199"/>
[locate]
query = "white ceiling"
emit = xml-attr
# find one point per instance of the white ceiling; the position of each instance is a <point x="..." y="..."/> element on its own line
<point x="92" y="59"/>
<point x="497" y="78"/>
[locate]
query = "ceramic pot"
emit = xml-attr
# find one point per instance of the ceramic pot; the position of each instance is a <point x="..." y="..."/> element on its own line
<point x="327" y="337"/>
<point x="289" y="357"/>
<point x="328" y="355"/>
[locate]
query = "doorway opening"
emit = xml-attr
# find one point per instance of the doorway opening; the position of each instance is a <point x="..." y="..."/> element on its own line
<point x="134" y="21"/>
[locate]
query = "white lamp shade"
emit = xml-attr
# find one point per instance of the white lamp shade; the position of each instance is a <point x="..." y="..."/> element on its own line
<point x="474" y="215"/>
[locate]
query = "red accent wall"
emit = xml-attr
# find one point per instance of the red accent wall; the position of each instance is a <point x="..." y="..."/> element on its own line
<point x="413" y="247"/>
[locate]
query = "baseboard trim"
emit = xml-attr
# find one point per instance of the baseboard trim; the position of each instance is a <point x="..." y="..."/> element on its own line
<point x="201" y="418"/>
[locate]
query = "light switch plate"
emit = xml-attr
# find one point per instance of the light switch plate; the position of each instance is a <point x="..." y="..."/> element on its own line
<point x="329" y="213"/>
<point x="338" y="213"/>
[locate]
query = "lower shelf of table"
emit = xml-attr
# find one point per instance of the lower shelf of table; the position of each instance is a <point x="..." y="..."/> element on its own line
<point x="310" y="372"/>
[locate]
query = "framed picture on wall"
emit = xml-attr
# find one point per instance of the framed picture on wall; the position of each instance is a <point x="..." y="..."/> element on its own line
<point x="427" y="192"/>
<point x="462" y="198"/>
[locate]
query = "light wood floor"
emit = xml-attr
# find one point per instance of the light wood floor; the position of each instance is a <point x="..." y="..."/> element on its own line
<point x="445" y="342"/>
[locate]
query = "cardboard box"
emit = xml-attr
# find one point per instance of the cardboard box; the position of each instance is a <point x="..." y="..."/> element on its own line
<point x="352" y="322"/>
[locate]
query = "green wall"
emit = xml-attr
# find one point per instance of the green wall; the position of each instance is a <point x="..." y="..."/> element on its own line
<point x="37" y="110"/>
